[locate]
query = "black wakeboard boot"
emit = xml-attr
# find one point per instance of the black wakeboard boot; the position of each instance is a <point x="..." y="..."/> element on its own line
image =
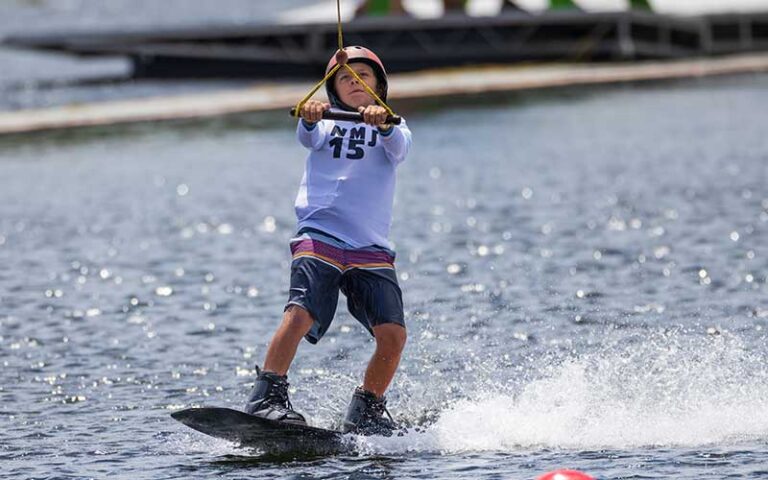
<point x="269" y="399"/>
<point x="365" y="415"/>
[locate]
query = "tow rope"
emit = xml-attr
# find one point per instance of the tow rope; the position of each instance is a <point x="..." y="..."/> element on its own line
<point x="341" y="61"/>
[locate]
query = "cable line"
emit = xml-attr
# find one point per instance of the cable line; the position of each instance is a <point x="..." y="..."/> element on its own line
<point x="341" y="62"/>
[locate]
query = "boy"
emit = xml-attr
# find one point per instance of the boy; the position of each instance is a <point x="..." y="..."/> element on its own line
<point x="344" y="210"/>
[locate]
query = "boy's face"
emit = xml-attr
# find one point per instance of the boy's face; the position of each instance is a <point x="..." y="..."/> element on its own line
<point x="349" y="89"/>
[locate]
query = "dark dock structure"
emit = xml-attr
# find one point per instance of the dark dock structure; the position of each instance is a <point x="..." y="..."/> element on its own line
<point x="408" y="44"/>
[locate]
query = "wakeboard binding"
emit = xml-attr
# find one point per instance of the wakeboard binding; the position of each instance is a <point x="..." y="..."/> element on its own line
<point x="365" y="415"/>
<point x="269" y="399"/>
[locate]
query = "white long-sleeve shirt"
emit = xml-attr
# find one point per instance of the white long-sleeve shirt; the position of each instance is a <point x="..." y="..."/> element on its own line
<point x="348" y="186"/>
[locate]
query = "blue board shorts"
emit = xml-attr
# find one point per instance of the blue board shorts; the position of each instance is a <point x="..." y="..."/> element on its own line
<point x="324" y="265"/>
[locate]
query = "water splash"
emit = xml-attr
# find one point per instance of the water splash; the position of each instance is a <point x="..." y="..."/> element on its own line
<point x="669" y="389"/>
<point x="189" y="443"/>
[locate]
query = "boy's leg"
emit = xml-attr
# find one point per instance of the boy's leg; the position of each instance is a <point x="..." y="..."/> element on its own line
<point x="374" y="298"/>
<point x="390" y="341"/>
<point x="314" y="288"/>
<point x="365" y="413"/>
<point x="297" y="322"/>
<point x="269" y="396"/>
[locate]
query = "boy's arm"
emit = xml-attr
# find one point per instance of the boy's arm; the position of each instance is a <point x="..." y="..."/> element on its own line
<point x="311" y="135"/>
<point x="396" y="142"/>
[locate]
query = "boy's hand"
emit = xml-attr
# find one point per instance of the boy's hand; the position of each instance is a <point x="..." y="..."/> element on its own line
<point x="312" y="111"/>
<point x="375" y="116"/>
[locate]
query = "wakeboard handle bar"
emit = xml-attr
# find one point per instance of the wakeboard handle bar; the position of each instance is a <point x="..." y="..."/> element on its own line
<point x="352" y="117"/>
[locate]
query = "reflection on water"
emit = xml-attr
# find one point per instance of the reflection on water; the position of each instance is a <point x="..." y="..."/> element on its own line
<point x="584" y="274"/>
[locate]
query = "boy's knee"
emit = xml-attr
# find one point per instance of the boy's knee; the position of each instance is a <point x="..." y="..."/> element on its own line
<point x="298" y="317"/>
<point x="390" y="335"/>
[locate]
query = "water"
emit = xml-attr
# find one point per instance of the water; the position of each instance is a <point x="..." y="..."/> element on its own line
<point x="585" y="275"/>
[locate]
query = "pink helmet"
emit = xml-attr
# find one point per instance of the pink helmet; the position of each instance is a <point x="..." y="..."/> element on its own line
<point x="362" y="55"/>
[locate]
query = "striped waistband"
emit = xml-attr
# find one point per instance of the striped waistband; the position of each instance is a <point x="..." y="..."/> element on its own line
<point x="339" y="257"/>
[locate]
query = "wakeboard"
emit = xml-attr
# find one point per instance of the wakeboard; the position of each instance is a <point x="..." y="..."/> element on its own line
<point x="268" y="436"/>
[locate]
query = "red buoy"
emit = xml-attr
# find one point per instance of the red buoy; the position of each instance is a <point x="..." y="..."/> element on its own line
<point x="565" y="475"/>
